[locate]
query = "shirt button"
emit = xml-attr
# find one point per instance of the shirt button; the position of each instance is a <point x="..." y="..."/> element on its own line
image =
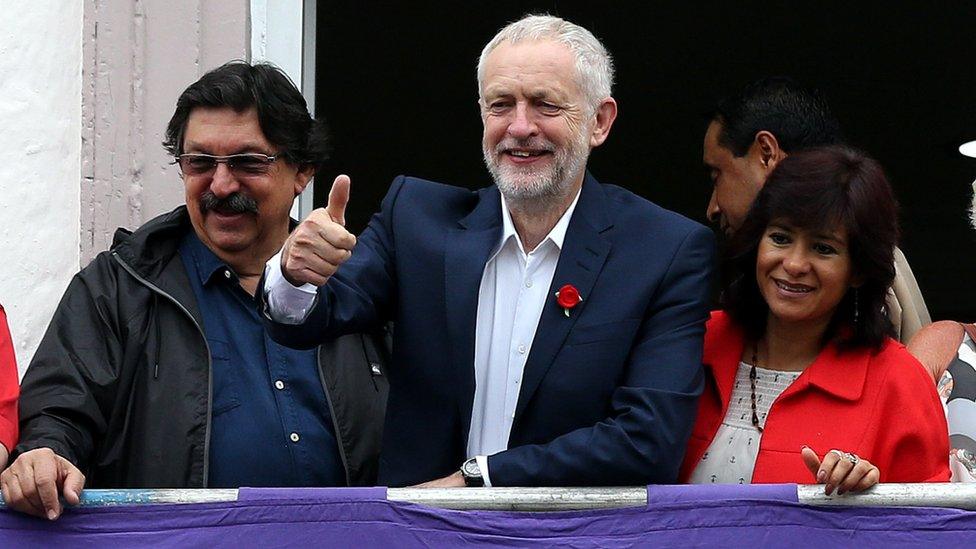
<point x="521" y="349"/>
<point x="227" y="273"/>
<point x="294" y="437"/>
<point x="528" y="283"/>
<point x="279" y="385"/>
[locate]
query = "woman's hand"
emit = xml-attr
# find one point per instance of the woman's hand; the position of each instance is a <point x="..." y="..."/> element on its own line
<point x="841" y="470"/>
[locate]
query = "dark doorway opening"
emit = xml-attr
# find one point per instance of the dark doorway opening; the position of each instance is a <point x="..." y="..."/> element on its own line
<point x="397" y="85"/>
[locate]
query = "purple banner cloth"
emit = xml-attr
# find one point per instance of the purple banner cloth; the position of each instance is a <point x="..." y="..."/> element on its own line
<point x="330" y="522"/>
<point x="677" y="493"/>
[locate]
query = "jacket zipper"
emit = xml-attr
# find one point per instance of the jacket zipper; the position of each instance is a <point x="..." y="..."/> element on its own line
<point x="158" y="290"/>
<point x="335" y="422"/>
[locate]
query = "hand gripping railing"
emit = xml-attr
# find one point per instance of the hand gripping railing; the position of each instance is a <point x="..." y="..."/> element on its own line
<point x="960" y="496"/>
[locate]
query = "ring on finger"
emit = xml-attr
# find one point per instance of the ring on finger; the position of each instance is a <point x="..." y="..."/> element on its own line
<point x="852" y="457"/>
<point x="839" y="454"/>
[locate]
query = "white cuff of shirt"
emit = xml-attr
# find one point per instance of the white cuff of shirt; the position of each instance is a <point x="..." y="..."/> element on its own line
<point x="287" y="304"/>
<point x="483" y="467"/>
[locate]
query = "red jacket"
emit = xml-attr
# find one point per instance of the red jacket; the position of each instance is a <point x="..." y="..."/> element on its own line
<point x="882" y="406"/>
<point x="9" y="387"/>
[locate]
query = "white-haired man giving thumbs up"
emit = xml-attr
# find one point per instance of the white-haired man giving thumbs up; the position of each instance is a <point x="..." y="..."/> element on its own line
<point x="548" y="328"/>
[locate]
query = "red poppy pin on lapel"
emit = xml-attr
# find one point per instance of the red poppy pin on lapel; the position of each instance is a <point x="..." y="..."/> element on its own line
<point x="568" y="297"/>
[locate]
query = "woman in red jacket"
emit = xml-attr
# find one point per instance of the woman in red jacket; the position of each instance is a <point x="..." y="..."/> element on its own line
<point x="803" y="382"/>
<point x="9" y="391"/>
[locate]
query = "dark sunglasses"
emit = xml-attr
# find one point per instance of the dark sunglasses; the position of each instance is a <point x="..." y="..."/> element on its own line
<point x="246" y="164"/>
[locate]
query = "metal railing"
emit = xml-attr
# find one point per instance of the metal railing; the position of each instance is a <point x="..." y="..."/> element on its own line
<point x="959" y="496"/>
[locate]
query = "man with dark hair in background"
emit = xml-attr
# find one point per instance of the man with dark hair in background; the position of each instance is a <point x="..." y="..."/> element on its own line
<point x="156" y="371"/>
<point x="749" y="134"/>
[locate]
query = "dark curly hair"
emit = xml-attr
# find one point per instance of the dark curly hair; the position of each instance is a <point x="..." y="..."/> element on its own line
<point x="818" y="190"/>
<point x="281" y="109"/>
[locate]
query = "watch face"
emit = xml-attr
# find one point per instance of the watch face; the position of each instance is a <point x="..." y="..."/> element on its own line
<point x="471" y="469"/>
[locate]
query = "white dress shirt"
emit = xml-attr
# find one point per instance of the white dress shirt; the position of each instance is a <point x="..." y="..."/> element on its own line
<point x="515" y="287"/>
<point x="287" y="304"/>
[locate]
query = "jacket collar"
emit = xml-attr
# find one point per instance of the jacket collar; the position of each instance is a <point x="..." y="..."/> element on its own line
<point x="592" y="211"/>
<point x="835" y="372"/>
<point x="150" y="247"/>
<point x="487" y="214"/>
<point x="467" y="248"/>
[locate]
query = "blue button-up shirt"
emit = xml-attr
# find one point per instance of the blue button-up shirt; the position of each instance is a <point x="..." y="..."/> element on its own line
<point x="270" y="423"/>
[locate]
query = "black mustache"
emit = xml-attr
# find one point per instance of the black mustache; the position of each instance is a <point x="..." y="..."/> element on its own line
<point x="236" y="202"/>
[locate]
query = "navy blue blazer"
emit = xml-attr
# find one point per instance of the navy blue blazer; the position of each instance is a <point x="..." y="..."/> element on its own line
<point x="609" y="394"/>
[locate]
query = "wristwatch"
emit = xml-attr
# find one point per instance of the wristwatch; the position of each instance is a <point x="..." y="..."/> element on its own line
<point x="472" y="474"/>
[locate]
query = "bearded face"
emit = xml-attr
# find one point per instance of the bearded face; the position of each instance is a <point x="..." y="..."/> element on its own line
<point x="525" y="180"/>
<point x="537" y="120"/>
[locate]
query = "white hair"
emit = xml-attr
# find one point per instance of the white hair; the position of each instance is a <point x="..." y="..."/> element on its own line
<point x="594" y="67"/>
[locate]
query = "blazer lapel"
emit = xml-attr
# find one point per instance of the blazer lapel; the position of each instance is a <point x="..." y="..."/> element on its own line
<point x="580" y="261"/>
<point x="467" y="248"/>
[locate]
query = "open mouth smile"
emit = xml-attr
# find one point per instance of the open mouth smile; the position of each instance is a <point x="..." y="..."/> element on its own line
<point x="795" y="289"/>
<point x="521" y="155"/>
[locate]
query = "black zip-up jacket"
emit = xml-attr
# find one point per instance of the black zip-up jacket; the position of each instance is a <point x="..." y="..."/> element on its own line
<point x="121" y="383"/>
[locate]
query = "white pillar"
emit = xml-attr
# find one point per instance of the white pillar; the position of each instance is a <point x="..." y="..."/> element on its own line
<point x="283" y="33"/>
<point x="40" y="151"/>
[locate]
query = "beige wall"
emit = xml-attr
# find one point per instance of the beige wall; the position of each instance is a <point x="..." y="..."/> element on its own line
<point x="84" y="104"/>
<point x="138" y="55"/>
<point x="86" y="89"/>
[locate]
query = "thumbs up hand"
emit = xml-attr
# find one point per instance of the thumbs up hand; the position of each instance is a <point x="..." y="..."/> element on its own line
<point x="320" y="243"/>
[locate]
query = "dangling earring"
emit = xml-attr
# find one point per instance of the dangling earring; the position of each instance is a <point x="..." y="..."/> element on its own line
<point x="856" y="312"/>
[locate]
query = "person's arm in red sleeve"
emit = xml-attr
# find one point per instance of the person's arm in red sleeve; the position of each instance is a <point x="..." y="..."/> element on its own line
<point x="9" y="391"/>
<point x="915" y="444"/>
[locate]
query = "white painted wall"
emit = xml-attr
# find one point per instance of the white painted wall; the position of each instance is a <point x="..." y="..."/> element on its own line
<point x="40" y="161"/>
<point x="86" y="89"/>
<point x="283" y="33"/>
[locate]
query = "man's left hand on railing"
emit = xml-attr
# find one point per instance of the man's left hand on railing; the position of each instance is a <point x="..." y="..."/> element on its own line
<point x="35" y="479"/>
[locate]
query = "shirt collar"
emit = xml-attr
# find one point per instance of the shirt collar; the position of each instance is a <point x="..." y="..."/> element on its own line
<point x="557" y="235"/>
<point x="206" y="263"/>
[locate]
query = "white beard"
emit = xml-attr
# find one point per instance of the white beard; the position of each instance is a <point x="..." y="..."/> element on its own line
<point x="530" y="186"/>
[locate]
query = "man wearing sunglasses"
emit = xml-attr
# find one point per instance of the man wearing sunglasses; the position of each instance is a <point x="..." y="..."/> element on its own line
<point x="156" y="371"/>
